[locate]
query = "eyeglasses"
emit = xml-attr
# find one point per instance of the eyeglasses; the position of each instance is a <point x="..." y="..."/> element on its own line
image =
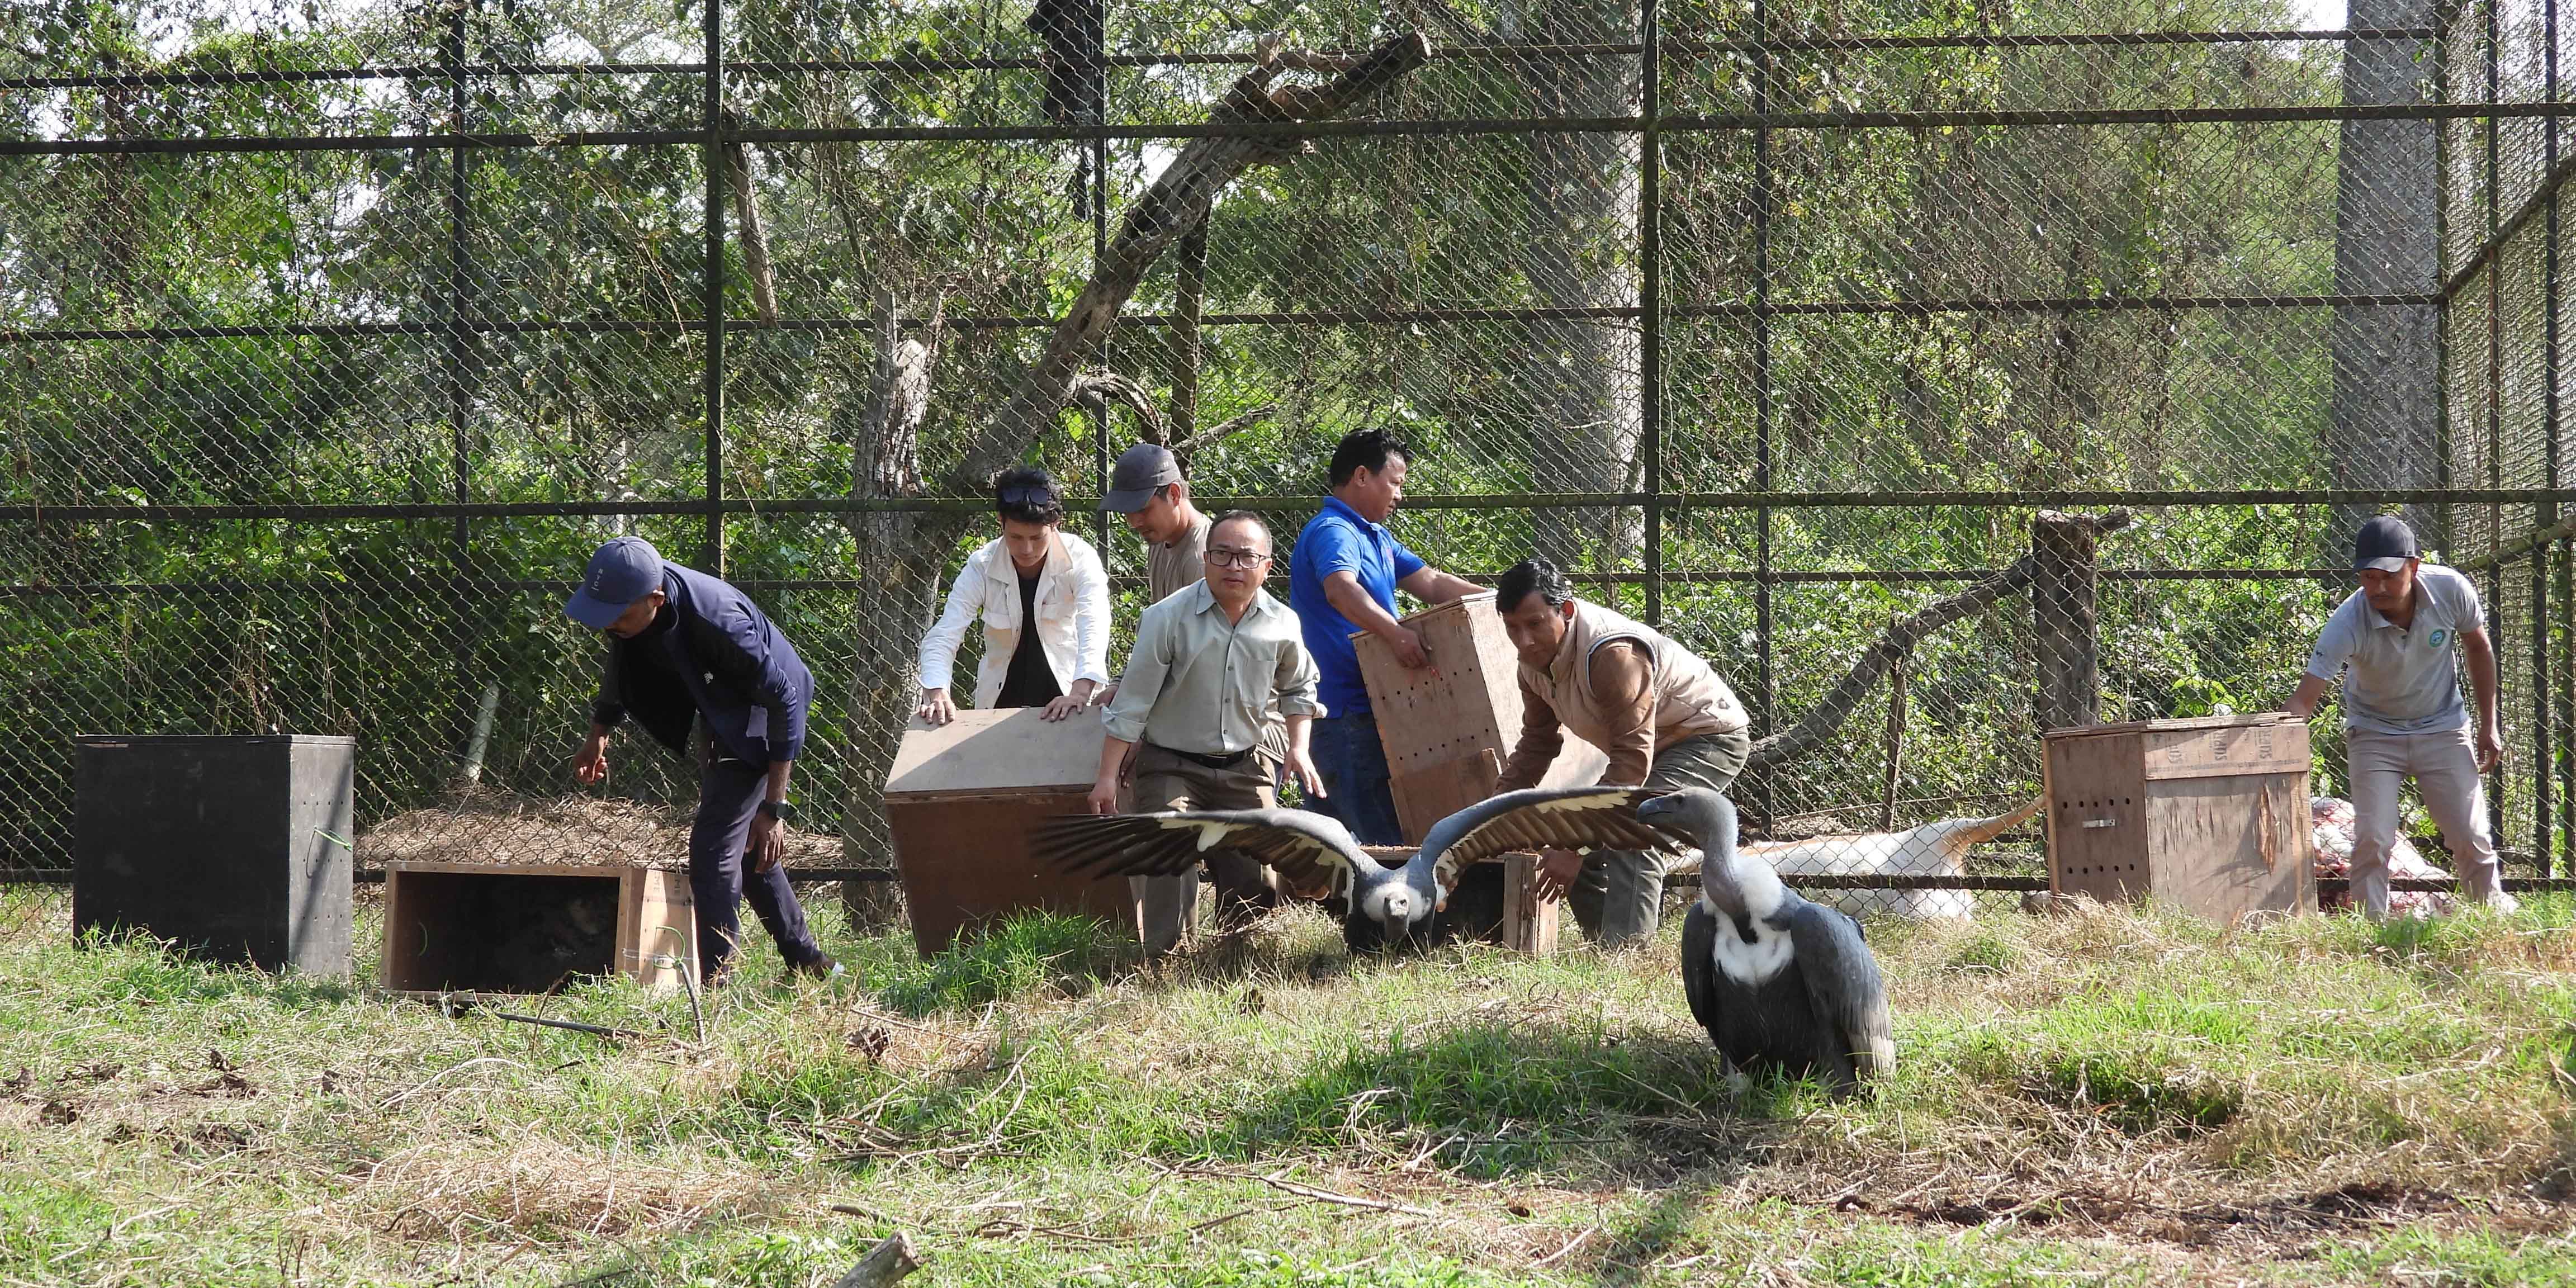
<point x="1221" y="557"/>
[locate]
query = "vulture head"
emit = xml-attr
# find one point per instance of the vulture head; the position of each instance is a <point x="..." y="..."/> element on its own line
<point x="1737" y="889"/>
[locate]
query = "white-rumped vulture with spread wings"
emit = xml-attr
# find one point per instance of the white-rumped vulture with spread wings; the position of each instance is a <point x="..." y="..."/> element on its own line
<point x="1387" y="906"/>
<point x="1780" y="983"/>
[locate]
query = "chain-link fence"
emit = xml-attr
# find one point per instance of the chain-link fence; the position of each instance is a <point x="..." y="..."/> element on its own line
<point x="333" y="337"/>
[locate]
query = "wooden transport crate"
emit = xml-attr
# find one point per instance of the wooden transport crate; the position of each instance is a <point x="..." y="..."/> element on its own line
<point x="960" y="800"/>
<point x="524" y="927"/>
<point x="1448" y="727"/>
<point x="235" y="847"/>
<point x="2210" y="815"/>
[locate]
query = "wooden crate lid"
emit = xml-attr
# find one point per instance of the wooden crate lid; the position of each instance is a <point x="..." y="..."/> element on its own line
<point x="1009" y="750"/>
<point x="609" y="871"/>
<point x="2168" y="726"/>
<point x="1454" y="608"/>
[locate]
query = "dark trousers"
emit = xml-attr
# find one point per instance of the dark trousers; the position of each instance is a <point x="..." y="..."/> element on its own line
<point x="1162" y="781"/>
<point x="1347" y="752"/>
<point x="728" y="796"/>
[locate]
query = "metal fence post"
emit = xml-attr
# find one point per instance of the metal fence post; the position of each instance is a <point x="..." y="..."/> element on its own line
<point x="2495" y="397"/>
<point x="1650" y="297"/>
<point x="714" y="557"/>
<point x="2544" y="768"/>
<point x="1762" y="408"/>
<point x="459" y="364"/>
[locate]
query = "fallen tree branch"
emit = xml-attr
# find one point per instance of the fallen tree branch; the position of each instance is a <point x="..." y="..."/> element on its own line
<point x="1826" y="716"/>
<point x="1278" y="1182"/>
<point x="885" y="1263"/>
<point x="595" y="1030"/>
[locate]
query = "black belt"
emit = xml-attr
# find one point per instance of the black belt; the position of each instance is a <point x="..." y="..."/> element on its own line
<point x="1212" y="762"/>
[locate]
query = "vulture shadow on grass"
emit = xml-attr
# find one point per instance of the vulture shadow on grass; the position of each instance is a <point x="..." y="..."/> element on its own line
<point x="1518" y="1096"/>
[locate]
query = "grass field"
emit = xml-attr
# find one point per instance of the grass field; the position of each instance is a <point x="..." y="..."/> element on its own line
<point x="2097" y="1097"/>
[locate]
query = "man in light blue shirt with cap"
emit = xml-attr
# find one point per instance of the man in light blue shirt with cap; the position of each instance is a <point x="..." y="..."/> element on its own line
<point x="2397" y="641"/>
<point x="685" y="647"/>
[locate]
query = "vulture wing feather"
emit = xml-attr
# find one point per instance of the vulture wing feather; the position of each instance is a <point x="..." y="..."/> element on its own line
<point x="1844" y="985"/>
<point x="1307" y="848"/>
<point x="1582" y="819"/>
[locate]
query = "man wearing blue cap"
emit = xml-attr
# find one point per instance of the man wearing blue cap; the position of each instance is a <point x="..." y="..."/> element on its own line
<point x="685" y="647"/>
<point x="2395" y="640"/>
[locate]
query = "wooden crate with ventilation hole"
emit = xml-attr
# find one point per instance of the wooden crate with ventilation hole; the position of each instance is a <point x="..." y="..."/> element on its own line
<point x="2209" y="815"/>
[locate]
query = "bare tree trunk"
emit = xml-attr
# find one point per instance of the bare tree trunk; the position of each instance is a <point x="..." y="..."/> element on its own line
<point x="2385" y="356"/>
<point x="1581" y="374"/>
<point x="750" y="231"/>
<point x="1177" y="202"/>
<point x="901" y="553"/>
<point x="2064" y="625"/>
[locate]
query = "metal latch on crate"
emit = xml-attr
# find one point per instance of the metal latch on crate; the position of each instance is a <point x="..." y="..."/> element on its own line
<point x="2092" y="823"/>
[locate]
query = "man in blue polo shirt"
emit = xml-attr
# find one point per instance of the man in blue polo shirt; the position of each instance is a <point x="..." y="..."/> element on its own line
<point x="1342" y="579"/>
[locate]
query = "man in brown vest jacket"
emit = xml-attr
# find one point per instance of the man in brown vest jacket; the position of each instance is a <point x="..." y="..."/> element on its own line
<point x="1653" y="707"/>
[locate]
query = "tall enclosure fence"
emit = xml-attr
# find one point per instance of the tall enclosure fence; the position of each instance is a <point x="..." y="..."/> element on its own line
<point x="333" y="337"/>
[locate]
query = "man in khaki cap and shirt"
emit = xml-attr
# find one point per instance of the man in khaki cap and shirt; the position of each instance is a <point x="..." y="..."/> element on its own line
<point x="1210" y="663"/>
<point x="2395" y="641"/>
<point x="1653" y="707"/>
<point x="1147" y="490"/>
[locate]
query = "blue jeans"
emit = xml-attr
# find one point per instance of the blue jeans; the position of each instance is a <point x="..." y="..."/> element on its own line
<point x="728" y="796"/>
<point x="1353" y="762"/>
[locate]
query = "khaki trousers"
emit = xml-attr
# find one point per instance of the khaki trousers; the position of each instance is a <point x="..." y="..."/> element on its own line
<point x="2445" y="769"/>
<point x="1619" y="898"/>
<point x="1160" y="781"/>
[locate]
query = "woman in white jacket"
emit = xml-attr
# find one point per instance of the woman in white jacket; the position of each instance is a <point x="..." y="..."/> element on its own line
<point x="1035" y="572"/>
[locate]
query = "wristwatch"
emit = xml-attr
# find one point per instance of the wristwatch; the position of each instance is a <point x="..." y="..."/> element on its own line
<point x="783" y="811"/>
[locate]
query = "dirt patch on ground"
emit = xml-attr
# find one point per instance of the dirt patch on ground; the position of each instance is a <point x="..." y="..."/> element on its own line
<point x="2278" y="1226"/>
<point x="571" y="830"/>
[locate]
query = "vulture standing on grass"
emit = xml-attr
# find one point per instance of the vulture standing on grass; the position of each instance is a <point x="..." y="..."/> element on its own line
<point x="1388" y="907"/>
<point x="1780" y="983"/>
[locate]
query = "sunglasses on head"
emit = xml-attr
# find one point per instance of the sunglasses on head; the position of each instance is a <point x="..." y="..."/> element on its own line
<point x="1041" y="497"/>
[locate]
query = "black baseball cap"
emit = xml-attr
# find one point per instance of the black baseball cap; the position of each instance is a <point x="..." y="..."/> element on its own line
<point x="621" y="572"/>
<point x="1140" y="470"/>
<point x="2384" y="543"/>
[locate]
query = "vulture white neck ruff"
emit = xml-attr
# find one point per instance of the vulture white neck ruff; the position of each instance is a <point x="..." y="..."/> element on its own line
<point x="1769" y="953"/>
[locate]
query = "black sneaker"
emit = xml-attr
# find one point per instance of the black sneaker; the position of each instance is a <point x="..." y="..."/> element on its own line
<point x="822" y="967"/>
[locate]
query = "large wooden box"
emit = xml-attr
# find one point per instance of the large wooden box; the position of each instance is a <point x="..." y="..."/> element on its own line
<point x="235" y="847"/>
<point x="960" y="801"/>
<point x="1449" y="727"/>
<point x="2209" y="815"/>
<point x="528" y="927"/>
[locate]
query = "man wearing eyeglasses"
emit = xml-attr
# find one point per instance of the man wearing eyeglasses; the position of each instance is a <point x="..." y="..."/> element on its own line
<point x="1209" y="664"/>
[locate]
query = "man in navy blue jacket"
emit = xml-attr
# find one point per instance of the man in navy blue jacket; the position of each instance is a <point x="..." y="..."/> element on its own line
<point x="683" y="647"/>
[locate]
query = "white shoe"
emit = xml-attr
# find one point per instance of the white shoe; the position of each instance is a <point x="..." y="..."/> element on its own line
<point x="2503" y="903"/>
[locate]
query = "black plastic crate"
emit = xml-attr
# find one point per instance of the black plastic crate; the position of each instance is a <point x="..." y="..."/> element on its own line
<point x="236" y="848"/>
